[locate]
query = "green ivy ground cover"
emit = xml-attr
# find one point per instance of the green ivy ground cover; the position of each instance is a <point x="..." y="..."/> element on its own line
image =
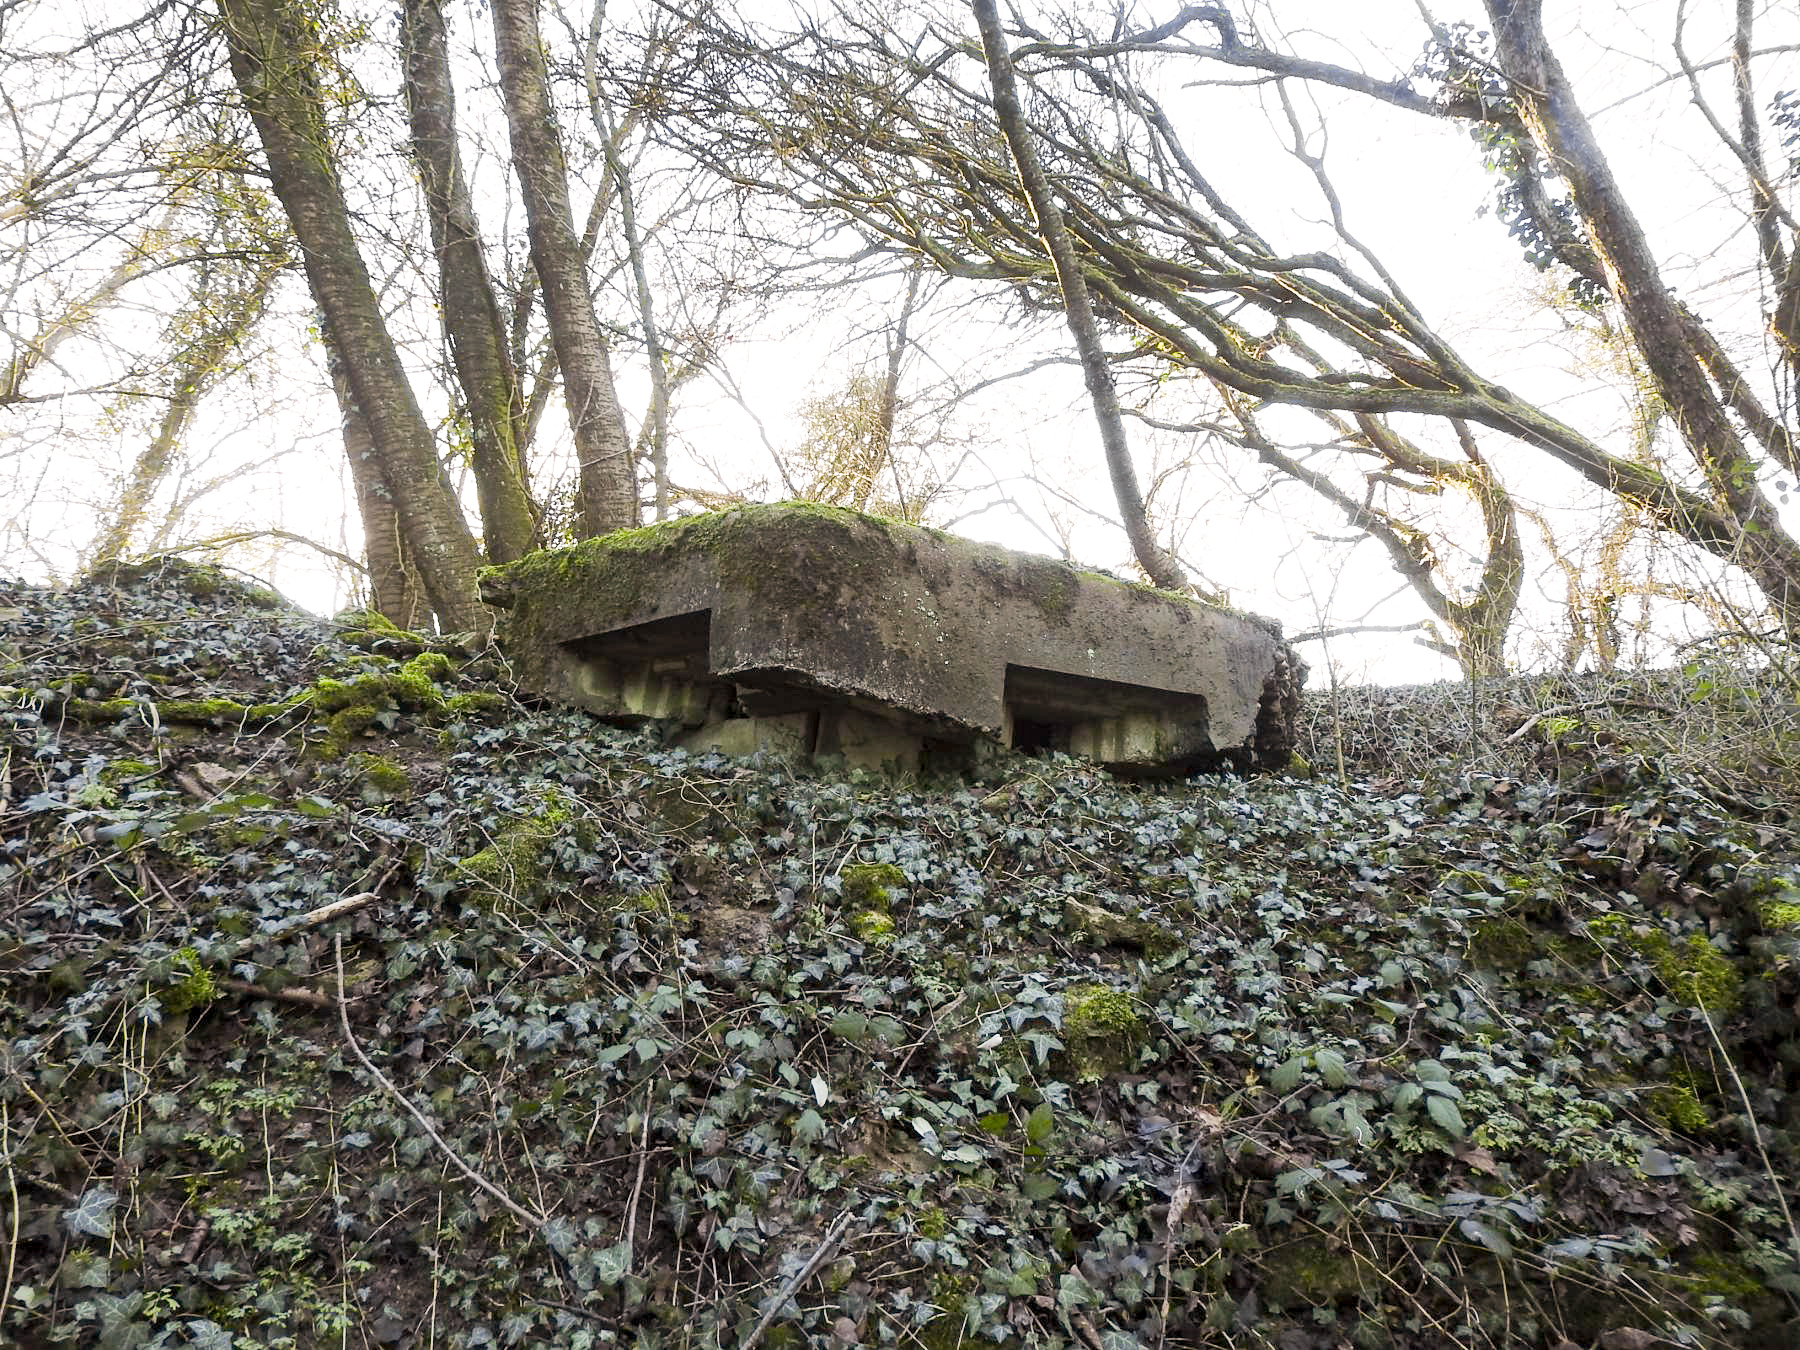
<point x="744" y="1054"/>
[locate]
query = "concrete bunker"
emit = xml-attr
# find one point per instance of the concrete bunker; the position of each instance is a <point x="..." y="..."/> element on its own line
<point x="815" y="630"/>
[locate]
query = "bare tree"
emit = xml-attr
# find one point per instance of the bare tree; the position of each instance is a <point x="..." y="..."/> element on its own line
<point x="1158" y="564"/>
<point x="607" y="488"/>
<point x="230" y="290"/>
<point x="895" y="133"/>
<point x="277" y="74"/>
<point x="473" y="325"/>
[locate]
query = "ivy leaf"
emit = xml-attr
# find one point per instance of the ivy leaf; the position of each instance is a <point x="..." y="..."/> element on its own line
<point x="612" y="1263"/>
<point x="852" y="1026"/>
<point x="1074" y="1292"/>
<point x="1657" y="1163"/>
<point x="208" y="1335"/>
<point x="809" y="1126"/>
<point x="1490" y="1238"/>
<point x="92" y="1215"/>
<point x="560" y="1234"/>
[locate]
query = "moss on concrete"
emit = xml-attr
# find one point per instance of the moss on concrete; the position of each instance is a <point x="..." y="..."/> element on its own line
<point x="1104" y="928"/>
<point x="871" y="885"/>
<point x="868" y="895"/>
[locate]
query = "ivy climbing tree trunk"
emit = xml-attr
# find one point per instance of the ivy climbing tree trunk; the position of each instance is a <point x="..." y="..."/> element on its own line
<point x="267" y="41"/>
<point x="606" y="491"/>
<point x="1158" y="564"/>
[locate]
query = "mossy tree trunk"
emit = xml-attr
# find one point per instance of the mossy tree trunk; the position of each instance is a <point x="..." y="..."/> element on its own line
<point x="473" y="325"/>
<point x="277" y="76"/>
<point x="606" y="491"/>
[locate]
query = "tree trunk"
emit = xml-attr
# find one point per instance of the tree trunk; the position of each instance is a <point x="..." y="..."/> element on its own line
<point x="393" y="590"/>
<point x="607" y="497"/>
<point x="281" y="92"/>
<point x="1158" y="564"/>
<point x="471" y="313"/>
<point x="1659" y="327"/>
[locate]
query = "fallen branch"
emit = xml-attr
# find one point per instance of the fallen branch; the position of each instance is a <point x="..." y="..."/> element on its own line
<point x="326" y="913"/>
<point x="306" y="998"/>
<point x="537" y="1222"/>
<point x="821" y="1253"/>
<point x="1564" y="709"/>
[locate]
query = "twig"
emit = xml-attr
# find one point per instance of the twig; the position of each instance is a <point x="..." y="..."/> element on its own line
<point x="536" y="1221"/>
<point x="1564" y="709"/>
<point x="1345" y="630"/>
<point x="12" y="1188"/>
<point x="191" y="1252"/>
<point x="1178" y="1202"/>
<point x="306" y="998"/>
<point x="826" y="1245"/>
<point x="326" y="913"/>
<point x="637" y="1186"/>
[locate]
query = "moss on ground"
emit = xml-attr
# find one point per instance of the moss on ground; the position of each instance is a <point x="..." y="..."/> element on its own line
<point x="1692" y="970"/>
<point x="1102" y="1031"/>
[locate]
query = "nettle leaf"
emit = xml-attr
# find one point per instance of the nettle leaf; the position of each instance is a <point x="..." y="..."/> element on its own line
<point x="1040" y="1123"/>
<point x="1332" y="1068"/>
<point x="1444" y="1115"/>
<point x="1287" y="1074"/>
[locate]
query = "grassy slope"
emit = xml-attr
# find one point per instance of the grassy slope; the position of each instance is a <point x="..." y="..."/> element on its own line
<point x="1438" y="1057"/>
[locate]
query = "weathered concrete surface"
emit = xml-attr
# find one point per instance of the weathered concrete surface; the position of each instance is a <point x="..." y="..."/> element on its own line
<point x="838" y="632"/>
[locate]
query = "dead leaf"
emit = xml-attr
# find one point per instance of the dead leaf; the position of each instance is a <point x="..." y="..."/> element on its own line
<point x="1480" y="1159"/>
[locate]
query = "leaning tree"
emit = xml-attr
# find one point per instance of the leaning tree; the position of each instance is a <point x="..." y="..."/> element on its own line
<point x="888" y="117"/>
